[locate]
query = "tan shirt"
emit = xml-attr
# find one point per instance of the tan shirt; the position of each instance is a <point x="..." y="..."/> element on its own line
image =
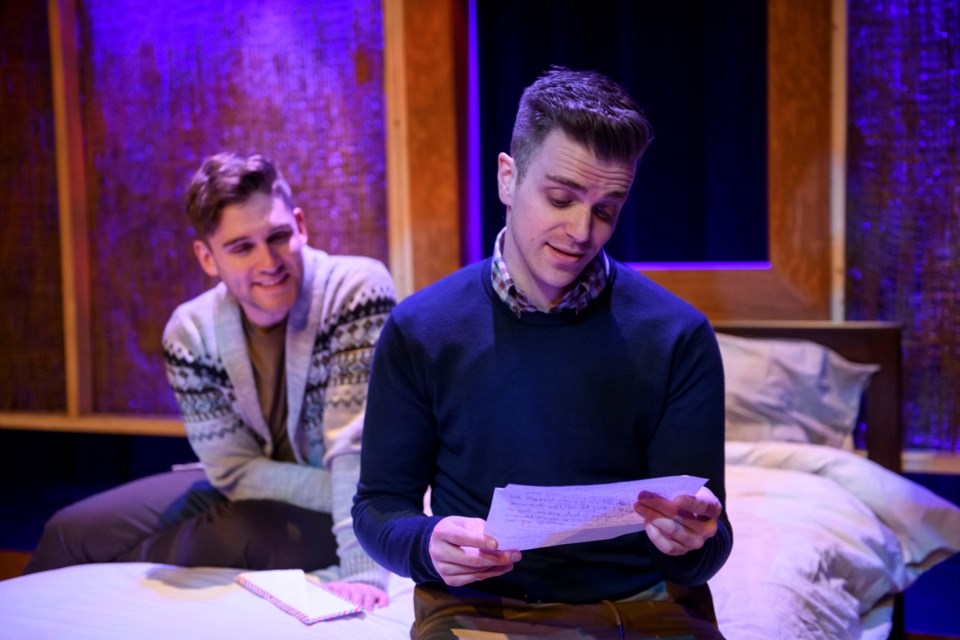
<point x="266" y="347"/>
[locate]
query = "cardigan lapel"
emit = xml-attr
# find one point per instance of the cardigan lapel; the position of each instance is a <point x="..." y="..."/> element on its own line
<point x="302" y="325"/>
<point x="232" y="345"/>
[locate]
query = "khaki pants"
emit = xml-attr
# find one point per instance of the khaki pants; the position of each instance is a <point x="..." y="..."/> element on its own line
<point x="686" y="613"/>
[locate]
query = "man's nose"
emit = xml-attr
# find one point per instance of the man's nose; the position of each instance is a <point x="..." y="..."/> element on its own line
<point x="267" y="257"/>
<point x="580" y="224"/>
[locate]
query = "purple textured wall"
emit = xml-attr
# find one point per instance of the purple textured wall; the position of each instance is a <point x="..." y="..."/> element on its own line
<point x="166" y="84"/>
<point x="903" y="209"/>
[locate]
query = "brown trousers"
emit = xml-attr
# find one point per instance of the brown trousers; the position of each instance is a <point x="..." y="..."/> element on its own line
<point x="687" y="613"/>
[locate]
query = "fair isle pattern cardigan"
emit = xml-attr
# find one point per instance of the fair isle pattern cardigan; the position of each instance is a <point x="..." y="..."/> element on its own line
<point x="329" y="346"/>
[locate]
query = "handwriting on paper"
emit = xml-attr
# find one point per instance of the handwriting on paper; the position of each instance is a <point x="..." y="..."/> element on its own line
<point x="528" y="517"/>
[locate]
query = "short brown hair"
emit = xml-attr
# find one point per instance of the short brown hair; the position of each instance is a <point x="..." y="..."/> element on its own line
<point x="589" y="107"/>
<point x="229" y="178"/>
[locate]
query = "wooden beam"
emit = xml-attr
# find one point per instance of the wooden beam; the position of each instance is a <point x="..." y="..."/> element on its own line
<point x="838" y="160"/>
<point x="399" y="214"/>
<point x="71" y="186"/>
<point x="103" y="423"/>
<point x="425" y="64"/>
<point x="927" y="461"/>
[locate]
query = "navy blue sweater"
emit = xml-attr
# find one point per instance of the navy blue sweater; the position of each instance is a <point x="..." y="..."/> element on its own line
<point x="466" y="397"/>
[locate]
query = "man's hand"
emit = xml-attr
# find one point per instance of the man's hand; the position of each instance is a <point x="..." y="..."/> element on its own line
<point x="462" y="554"/>
<point x="680" y="525"/>
<point x="365" y="595"/>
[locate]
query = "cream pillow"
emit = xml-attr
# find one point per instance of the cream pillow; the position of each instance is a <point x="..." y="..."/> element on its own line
<point x="790" y="390"/>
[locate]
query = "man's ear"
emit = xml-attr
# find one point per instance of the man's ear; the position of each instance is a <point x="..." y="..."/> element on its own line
<point x="202" y="250"/>
<point x="506" y="178"/>
<point x="301" y="224"/>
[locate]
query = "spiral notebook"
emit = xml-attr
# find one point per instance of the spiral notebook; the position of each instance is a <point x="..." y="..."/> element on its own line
<point x="291" y="592"/>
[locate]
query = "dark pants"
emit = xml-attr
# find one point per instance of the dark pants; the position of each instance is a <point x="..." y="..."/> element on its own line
<point x="686" y="614"/>
<point x="179" y="518"/>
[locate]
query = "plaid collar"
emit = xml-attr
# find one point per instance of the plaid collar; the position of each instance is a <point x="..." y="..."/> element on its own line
<point x="587" y="288"/>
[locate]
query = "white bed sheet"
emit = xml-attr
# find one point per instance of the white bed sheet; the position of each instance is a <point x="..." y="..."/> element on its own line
<point x="161" y="602"/>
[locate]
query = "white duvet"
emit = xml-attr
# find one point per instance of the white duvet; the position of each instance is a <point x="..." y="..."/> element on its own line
<point x="822" y="536"/>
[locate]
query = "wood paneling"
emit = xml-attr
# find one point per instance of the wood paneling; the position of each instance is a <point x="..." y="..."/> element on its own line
<point x="31" y="324"/>
<point x="797" y="284"/>
<point x="94" y="423"/>
<point x="142" y="93"/>
<point x="12" y="563"/>
<point x="424" y="67"/>
<point x="425" y="42"/>
<point x="72" y="189"/>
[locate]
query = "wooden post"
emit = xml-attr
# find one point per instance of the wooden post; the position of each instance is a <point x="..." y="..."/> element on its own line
<point x="71" y="184"/>
<point x="424" y="67"/>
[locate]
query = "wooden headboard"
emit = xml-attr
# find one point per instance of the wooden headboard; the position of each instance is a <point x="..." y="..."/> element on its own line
<point x="869" y="342"/>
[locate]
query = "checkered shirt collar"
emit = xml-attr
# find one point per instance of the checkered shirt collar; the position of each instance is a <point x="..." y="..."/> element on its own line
<point x="588" y="287"/>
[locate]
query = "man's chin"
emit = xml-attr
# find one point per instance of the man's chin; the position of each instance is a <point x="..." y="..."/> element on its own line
<point x="275" y="306"/>
<point x="564" y="276"/>
<point x="278" y="307"/>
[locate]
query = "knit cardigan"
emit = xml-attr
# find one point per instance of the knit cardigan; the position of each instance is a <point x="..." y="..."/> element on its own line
<point x="331" y="331"/>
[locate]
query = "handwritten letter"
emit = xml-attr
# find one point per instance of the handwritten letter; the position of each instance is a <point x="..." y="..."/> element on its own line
<point x="527" y="517"/>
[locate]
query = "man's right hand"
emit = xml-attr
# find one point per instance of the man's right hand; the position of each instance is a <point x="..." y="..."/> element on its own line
<point x="462" y="554"/>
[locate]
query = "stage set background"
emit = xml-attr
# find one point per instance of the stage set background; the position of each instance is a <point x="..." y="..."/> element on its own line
<point x="371" y="108"/>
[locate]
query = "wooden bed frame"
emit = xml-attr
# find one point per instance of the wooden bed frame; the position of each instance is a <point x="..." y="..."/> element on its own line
<point x="867" y="342"/>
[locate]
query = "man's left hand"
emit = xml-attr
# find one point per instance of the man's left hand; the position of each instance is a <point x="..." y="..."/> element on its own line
<point x="359" y="593"/>
<point x="683" y="524"/>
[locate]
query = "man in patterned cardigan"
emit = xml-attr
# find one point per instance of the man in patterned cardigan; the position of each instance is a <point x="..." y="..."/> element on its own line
<point x="270" y="370"/>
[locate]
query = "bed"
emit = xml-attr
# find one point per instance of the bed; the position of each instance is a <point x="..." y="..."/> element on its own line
<point x="825" y="538"/>
<point x="827" y="534"/>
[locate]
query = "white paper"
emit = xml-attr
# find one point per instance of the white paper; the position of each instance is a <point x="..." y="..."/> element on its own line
<point x="528" y="517"/>
<point x="290" y="590"/>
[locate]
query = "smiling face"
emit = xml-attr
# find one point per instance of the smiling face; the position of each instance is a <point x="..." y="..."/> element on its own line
<point x="256" y="252"/>
<point x="560" y="214"/>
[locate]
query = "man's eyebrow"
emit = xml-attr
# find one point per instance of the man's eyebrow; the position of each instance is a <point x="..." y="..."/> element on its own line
<point x="576" y="186"/>
<point x="567" y="182"/>
<point x="232" y="241"/>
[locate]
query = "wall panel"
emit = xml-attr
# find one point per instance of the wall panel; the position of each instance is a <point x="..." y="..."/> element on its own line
<point x="165" y="84"/>
<point x="903" y="207"/>
<point x="31" y="325"/>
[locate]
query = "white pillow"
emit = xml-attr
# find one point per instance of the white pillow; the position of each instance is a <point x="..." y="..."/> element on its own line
<point x="790" y="390"/>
